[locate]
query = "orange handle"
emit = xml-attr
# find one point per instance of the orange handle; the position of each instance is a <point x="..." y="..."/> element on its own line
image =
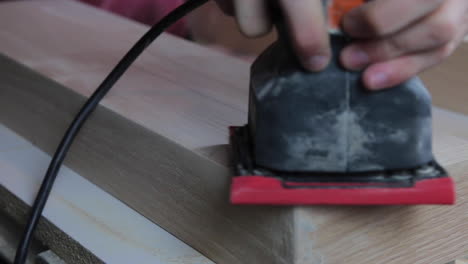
<point x="338" y="8"/>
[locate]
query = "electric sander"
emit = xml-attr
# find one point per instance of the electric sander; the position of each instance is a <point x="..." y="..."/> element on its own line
<point x="322" y="138"/>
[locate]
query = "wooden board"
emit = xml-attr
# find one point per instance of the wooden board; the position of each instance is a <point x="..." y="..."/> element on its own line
<point x="158" y="143"/>
<point x="79" y="217"/>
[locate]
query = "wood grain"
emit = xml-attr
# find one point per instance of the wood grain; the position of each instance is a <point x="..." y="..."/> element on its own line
<point x="158" y="143"/>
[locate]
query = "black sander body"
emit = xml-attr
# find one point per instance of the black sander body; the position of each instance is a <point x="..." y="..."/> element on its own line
<point x="322" y="138"/>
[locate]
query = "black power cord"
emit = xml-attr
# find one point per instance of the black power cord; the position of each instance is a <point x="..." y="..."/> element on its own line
<point x="84" y="113"/>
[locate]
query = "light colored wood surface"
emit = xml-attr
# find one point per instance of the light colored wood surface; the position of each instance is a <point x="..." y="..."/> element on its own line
<point x="79" y="53"/>
<point x="159" y="144"/>
<point x="95" y="225"/>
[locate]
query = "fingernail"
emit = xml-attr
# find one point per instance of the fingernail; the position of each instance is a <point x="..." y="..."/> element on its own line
<point x="378" y="81"/>
<point x="317" y="63"/>
<point x="356" y="58"/>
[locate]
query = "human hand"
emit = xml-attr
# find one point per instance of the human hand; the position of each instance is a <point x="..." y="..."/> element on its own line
<point x="397" y="39"/>
<point x="305" y="20"/>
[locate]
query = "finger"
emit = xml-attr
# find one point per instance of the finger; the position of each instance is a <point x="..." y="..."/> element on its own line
<point x="226" y="6"/>
<point x="424" y="36"/>
<point x="308" y="31"/>
<point x="252" y="17"/>
<point x="391" y="73"/>
<point x="384" y="17"/>
<point x="435" y="30"/>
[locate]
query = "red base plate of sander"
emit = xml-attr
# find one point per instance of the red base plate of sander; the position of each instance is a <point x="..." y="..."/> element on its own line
<point x="428" y="184"/>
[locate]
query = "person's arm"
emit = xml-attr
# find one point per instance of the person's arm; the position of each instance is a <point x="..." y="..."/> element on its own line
<point x="396" y="39"/>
